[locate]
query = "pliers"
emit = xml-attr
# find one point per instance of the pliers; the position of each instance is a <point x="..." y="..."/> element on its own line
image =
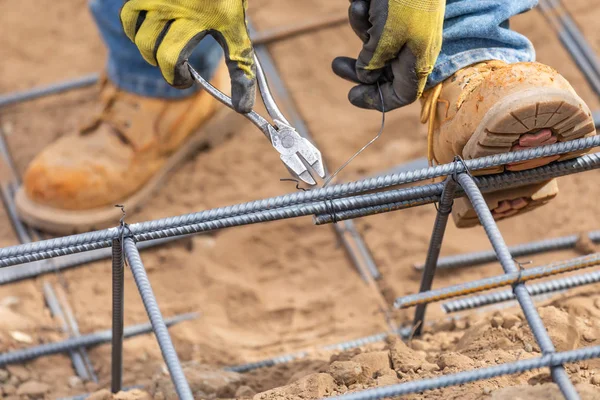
<point x="297" y="153"/>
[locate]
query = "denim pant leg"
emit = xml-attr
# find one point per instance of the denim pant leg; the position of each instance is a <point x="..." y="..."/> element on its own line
<point x="478" y="30"/>
<point x="127" y="68"/>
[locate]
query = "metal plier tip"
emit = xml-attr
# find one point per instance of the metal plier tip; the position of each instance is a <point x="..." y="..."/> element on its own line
<point x="298" y="154"/>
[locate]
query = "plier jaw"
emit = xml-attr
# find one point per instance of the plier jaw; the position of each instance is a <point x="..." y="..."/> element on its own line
<point x="298" y="154"/>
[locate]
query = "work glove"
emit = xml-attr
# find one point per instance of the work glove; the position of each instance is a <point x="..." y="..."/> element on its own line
<point x="402" y="40"/>
<point x="167" y="31"/>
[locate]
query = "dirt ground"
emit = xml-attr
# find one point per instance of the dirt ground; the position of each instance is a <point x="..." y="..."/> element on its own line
<point x="276" y="288"/>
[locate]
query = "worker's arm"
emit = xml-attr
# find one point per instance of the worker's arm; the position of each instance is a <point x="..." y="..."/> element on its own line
<point x="167" y="31"/>
<point x="401" y="42"/>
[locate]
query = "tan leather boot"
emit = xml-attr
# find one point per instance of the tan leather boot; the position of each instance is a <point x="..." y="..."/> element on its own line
<point x="125" y="153"/>
<point x="494" y="107"/>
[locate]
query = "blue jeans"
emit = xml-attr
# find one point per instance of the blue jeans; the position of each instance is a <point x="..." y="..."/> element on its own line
<point x="474" y="31"/>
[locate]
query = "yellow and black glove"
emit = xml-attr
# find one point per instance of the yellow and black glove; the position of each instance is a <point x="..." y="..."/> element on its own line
<point x="167" y="31"/>
<point x="402" y="41"/>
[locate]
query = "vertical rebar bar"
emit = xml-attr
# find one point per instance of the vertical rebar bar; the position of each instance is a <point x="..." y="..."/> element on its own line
<point x="158" y="324"/>
<point x="118" y="286"/>
<point x="435" y="246"/>
<point x="559" y="375"/>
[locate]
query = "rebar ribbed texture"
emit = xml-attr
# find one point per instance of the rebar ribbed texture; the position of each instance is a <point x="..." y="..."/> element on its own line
<point x="498" y="281"/>
<point x="533" y="318"/>
<point x="461" y="378"/>
<point x="93" y="339"/>
<point x="282" y="207"/>
<point x="118" y="291"/>
<point x="158" y="324"/>
<point x="551" y="286"/>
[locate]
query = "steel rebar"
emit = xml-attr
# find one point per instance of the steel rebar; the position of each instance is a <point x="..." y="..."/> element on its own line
<point x="559" y="375"/>
<point x="461" y="378"/>
<point x="551" y="286"/>
<point x="158" y="324"/>
<point x="498" y="281"/>
<point x="435" y="245"/>
<point x="56" y="310"/>
<point x="521" y="250"/>
<point x="299" y="203"/>
<point x="118" y="290"/>
<point x="89" y="340"/>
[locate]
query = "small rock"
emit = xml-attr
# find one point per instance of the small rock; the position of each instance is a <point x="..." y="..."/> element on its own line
<point x="589" y="337"/>
<point x="21" y="337"/>
<point x="497" y="321"/>
<point x="510" y="321"/>
<point x="9" y="389"/>
<point x="18" y="371"/>
<point x="244" y="392"/>
<point x="487" y="390"/>
<point x="387" y="379"/>
<point x="14" y="380"/>
<point x="347" y="372"/>
<point x="33" y="388"/>
<point x="420" y="345"/>
<point x="103" y="394"/>
<point x="135" y="394"/>
<point x="4" y="375"/>
<point x="528" y="347"/>
<point x="595" y="380"/>
<point x="455" y="360"/>
<point x="405" y="359"/>
<point x="374" y="361"/>
<point x="75" y="382"/>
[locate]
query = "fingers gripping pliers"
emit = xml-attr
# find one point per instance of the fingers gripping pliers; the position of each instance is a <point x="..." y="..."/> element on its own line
<point x="298" y="154"/>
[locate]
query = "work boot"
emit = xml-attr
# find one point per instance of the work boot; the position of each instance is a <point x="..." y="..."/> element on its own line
<point x="125" y="153"/>
<point x="494" y="107"/>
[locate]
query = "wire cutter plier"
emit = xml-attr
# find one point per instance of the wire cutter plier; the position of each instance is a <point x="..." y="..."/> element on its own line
<point x="297" y="153"/>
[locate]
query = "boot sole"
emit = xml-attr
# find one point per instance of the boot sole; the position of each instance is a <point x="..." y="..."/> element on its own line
<point x="563" y="112"/>
<point x="65" y="222"/>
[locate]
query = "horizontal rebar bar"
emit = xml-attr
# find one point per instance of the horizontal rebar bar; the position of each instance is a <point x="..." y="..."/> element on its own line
<point x="552" y="286"/>
<point x="88" y="340"/>
<point x="461" y="378"/>
<point x="540" y="333"/>
<point x="498" y="281"/>
<point x="430" y="193"/>
<point x="159" y="327"/>
<point x="298" y="203"/>
<point x="521" y="250"/>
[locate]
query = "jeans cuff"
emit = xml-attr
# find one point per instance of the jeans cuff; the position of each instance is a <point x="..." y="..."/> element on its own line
<point x="451" y="65"/>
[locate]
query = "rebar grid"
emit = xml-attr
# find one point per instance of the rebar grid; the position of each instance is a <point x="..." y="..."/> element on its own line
<point x="559" y="375"/>
<point x="426" y="297"/>
<point x="318" y="201"/>
<point x="158" y="324"/>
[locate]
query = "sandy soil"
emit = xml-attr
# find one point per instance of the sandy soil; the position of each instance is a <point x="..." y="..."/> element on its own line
<point x="270" y="289"/>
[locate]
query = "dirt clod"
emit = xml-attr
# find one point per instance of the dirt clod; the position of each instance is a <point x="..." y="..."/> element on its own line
<point x="33" y="388"/>
<point x="348" y="372"/>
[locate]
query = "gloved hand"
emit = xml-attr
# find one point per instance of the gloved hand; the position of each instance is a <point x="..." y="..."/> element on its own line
<point x="402" y="40"/>
<point x="167" y="31"/>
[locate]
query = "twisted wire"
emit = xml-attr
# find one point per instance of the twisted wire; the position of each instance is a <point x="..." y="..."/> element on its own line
<point x="158" y="324"/>
<point x="92" y="339"/>
<point x="102" y="239"/>
<point x="552" y="286"/>
<point x="461" y="378"/>
<point x="498" y="281"/>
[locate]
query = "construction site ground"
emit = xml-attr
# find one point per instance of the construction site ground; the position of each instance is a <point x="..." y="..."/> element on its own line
<point x="282" y="287"/>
